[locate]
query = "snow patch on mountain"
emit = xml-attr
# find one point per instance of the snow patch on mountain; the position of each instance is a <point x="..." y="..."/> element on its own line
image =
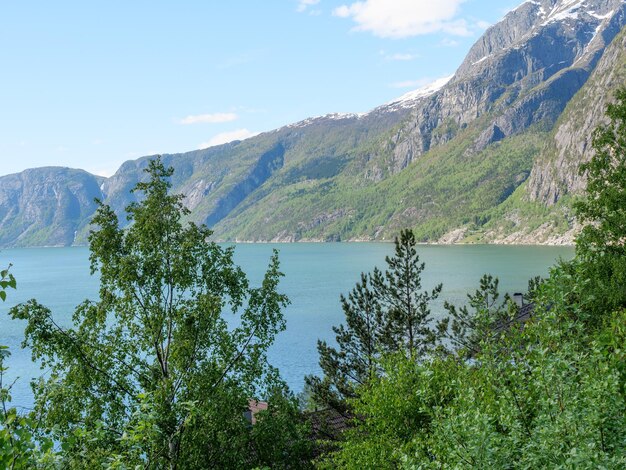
<point x="480" y="60"/>
<point x="567" y="9"/>
<point x="325" y="117"/>
<point x="408" y="99"/>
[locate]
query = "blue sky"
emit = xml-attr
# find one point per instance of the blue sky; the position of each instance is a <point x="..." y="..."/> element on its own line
<point x="92" y="84"/>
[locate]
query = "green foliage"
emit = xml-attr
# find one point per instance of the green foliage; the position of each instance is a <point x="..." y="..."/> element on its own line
<point x="441" y="190"/>
<point x="550" y="393"/>
<point x="152" y="374"/>
<point x="547" y="396"/>
<point x="601" y="247"/>
<point x="469" y="326"/>
<point x="407" y="306"/>
<point x="277" y="435"/>
<point x="385" y="313"/>
<point x="19" y="448"/>
<point x="6" y="281"/>
<point x="396" y="412"/>
<point x="359" y="342"/>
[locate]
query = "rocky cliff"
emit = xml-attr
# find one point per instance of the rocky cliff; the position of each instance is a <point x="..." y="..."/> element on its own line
<point x="451" y="160"/>
<point x="521" y="72"/>
<point x="46" y="206"/>
<point x="555" y="172"/>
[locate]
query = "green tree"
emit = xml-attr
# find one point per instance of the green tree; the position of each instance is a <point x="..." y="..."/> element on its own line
<point x="353" y="362"/>
<point x="406" y="305"/>
<point x="385" y="312"/>
<point x="477" y="322"/>
<point x="152" y="374"/>
<point x="550" y="395"/>
<point x="19" y="448"/>
<point x="601" y="246"/>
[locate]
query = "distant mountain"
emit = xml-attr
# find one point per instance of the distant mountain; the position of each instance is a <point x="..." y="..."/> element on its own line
<point x="451" y="160"/>
<point x="46" y="206"/>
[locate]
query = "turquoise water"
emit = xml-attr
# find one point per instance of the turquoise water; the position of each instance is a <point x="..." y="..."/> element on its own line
<point x="315" y="275"/>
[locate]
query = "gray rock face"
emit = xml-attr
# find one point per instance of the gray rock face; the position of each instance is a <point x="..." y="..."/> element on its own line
<point x="555" y="172"/>
<point x="521" y="72"/>
<point x="46" y="206"/>
<point x="266" y="165"/>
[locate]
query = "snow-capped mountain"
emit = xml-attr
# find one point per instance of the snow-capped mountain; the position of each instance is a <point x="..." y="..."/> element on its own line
<point x="434" y="159"/>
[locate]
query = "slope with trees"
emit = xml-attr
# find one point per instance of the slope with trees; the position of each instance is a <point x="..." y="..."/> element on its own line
<point x="450" y="163"/>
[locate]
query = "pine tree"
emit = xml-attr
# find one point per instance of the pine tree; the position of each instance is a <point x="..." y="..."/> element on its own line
<point x="385" y="312"/>
<point x="406" y="305"/>
<point x="353" y="362"/>
<point x="467" y="326"/>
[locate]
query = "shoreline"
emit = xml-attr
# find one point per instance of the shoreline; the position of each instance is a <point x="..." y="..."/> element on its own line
<point x="305" y="241"/>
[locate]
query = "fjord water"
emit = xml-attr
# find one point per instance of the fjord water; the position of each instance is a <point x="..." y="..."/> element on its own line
<point x="315" y="275"/>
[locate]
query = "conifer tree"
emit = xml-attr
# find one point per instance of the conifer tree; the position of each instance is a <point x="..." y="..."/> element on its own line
<point x="353" y="362"/>
<point x="406" y="305"/>
<point x="385" y="312"/>
<point x="467" y="326"/>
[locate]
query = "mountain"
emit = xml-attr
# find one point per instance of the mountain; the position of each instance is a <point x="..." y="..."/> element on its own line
<point x="555" y="172"/>
<point x="540" y="210"/>
<point x="485" y="155"/>
<point x="46" y="206"/>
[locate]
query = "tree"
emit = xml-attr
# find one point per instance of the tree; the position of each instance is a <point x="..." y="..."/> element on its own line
<point x="151" y="374"/>
<point x="601" y="246"/>
<point x="18" y="446"/>
<point x="359" y="342"/>
<point x="406" y="305"/>
<point x="549" y="395"/>
<point x="385" y="312"/>
<point x="470" y="325"/>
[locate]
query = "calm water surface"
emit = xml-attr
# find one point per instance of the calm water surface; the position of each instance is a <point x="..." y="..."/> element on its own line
<point x="315" y="275"/>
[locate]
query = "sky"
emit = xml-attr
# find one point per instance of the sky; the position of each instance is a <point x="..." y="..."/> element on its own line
<point x="92" y="84"/>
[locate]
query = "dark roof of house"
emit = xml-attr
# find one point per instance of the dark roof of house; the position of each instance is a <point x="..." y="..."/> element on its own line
<point x="327" y="424"/>
<point x="327" y="427"/>
<point x="524" y="314"/>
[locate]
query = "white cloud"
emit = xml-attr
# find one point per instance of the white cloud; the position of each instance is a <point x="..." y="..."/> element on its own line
<point x="447" y="42"/>
<point x="405" y="18"/>
<point x="402" y="57"/>
<point x="209" y="118"/>
<point x="225" y="137"/>
<point x="304" y="4"/>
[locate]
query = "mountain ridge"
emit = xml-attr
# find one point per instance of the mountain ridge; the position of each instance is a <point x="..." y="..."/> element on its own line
<point x="441" y="160"/>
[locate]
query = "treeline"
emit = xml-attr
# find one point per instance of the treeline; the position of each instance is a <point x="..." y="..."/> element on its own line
<point x="151" y="375"/>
